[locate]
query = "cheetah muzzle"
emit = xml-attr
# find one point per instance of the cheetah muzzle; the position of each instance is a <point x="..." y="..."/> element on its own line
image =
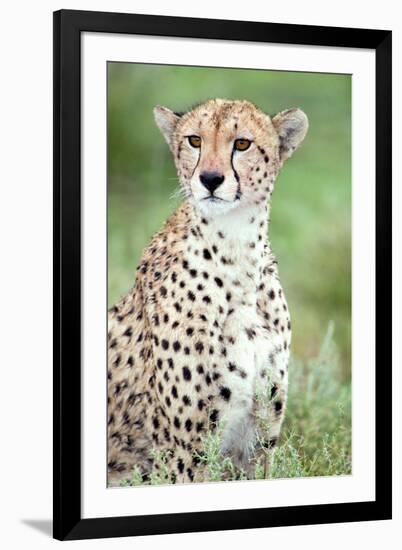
<point x="205" y="330"/>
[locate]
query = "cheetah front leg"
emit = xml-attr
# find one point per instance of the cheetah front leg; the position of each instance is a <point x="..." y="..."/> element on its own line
<point x="239" y="434"/>
<point x="270" y="397"/>
<point x="272" y="363"/>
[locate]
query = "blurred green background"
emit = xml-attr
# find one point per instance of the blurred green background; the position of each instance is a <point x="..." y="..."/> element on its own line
<point x="311" y="211"/>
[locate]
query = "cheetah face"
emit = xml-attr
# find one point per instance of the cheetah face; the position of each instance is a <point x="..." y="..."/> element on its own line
<point x="228" y="153"/>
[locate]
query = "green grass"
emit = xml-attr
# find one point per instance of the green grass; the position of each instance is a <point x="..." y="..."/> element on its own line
<point x="310" y="228"/>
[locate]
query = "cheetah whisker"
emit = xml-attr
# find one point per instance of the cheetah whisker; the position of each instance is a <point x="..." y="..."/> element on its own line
<point x="179" y="193"/>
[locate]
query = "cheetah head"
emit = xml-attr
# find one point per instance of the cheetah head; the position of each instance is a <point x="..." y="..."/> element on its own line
<point x="228" y="153"/>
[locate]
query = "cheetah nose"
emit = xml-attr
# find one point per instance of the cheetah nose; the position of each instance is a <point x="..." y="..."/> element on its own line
<point x="211" y="180"/>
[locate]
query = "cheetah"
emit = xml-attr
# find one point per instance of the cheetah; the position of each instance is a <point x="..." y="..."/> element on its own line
<point x="206" y="324"/>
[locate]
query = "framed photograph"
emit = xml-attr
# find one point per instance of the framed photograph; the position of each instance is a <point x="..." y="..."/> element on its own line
<point x="222" y="274"/>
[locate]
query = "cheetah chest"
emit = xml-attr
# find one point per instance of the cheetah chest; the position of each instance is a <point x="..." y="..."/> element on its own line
<point x="232" y="265"/>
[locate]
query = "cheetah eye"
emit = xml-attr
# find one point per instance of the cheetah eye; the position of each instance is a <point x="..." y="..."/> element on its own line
<point x="194" y="141"/>
<point x="242" y="144"/>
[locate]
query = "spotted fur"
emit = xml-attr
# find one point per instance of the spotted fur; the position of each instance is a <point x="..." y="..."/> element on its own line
<point x="206" y="323"/>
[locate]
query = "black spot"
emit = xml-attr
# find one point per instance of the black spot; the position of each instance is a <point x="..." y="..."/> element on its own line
<point x="206" y="299"/>
<point x="128" y="332"/>
<point x="189" y="331"/>
<point x="186" y="400"/>
<point x="218" y="281"/>
<point x="206" y="253"/>
<point x="213" y="417"/>
<point x="176" y="422"/>
<point x="271" y="294"/>
<point x="272" y="442"/>
<point x="174" y="392"/>
<point x="165" y="344"/>
<point x="176" y="346"/>
<point x="225" y="393"/>
<point x="200" y="369"/>
<point x="199" y="427"/>
<point x="180" y="465"/>
<point x="186" y="373"/>
<point x="191" y="295"/>
<point x="199" y="346"/>
<point x="190" y="474"/>
<point x="278" y="406"/>
<point x="155" y="423"/>
<point x="117" y="466"/>
<point x="193" y="272"/>
<point x="201" y="404"/>
<point x="251" y="334"/>
<point x="188" y="424"/>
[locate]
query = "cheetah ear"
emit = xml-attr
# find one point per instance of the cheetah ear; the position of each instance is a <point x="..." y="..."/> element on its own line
<point x="166" y="120"/>
<point x="291" y="127"/>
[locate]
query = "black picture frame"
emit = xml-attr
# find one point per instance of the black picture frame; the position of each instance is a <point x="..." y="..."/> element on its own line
<point x="68" y="26"/>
